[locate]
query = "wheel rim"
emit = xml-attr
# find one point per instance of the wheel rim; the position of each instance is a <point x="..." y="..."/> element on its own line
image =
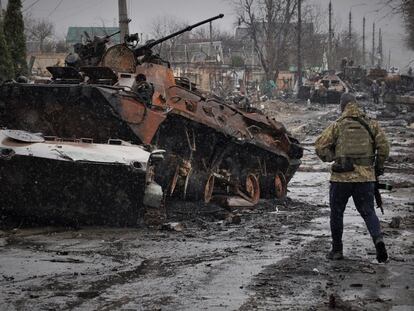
<point x="253" y="188"/>
<point x="280" y="186"/>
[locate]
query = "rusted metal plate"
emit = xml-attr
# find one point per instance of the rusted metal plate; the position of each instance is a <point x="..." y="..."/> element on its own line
<point x="23" y="136"/>
<point x="129" y="155"/>
<point x="120" y="58"/>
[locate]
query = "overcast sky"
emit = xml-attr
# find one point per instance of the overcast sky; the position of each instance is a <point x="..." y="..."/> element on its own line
<point x="66" y="13"/>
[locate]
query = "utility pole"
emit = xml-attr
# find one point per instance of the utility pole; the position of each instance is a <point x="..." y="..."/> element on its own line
<point x="373" y="45"/>
<point x="350" y="35"/>
<point x="363" y="42"/>
<point x="123" y="19"/>
<point x="389" y="60"/>
<point x="210" y="49"/>
<point x="380" y="48"/>
<point x="330" y="37"/>
<point x="299" y="44"/>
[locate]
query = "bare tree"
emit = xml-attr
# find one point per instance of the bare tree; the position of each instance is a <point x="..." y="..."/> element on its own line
<point x="313" y="48"/>
<point x="162" y="26"/>
<point x="38" y="30"/>
<point x="409" y="22"/>
<point x="404" y="8"/>
<point x="269" y="23"/>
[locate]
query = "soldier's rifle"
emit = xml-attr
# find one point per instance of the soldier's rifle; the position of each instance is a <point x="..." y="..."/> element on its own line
<point x="377" y="193"/>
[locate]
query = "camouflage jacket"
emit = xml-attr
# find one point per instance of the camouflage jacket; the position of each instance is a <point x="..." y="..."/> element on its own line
<point x="325" y="147"/>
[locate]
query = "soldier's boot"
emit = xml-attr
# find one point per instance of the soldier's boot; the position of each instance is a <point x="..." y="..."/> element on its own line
<point x="382" y="255"/>
<point x="336" y="253"/>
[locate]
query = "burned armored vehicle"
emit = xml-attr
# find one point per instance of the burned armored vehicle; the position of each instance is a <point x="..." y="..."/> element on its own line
<point x="334" y="85"/>
<point x="48" y="180"/>
<point x="212" y="147"/>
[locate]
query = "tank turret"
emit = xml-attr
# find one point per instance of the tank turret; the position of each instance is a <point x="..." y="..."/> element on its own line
<point x="89" y="53"/>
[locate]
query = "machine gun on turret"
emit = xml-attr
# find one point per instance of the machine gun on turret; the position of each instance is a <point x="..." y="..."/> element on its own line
<point x="146" y="49"/>
<point x="90" y="53"/>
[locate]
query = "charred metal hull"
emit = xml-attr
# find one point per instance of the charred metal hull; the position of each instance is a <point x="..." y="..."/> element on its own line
<point x="74" y="183"/>
<point x="43" y="191"/>
<point x="335" y="88"/>
<point x="212" y="146"/>
<point x="210" y="138"/>
<point x="61" y="110"/>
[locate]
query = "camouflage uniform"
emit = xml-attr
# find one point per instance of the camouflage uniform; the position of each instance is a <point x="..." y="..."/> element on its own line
<point x="359" y="183"/>
<point x="325" y="148"/>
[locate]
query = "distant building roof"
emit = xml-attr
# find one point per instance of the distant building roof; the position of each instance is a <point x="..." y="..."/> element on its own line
<point x="76" y="34"/>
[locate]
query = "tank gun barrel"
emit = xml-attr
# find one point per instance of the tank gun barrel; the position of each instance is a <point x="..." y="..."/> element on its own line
<point x="106" y="38"/>
<point x="150" y="45"/>
<point x="112" y="34"/>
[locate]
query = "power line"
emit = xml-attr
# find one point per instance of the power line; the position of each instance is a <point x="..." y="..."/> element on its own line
<point x="56" y="7"/>
<point x="77" y="11"/>
<point x="30" y="6"/>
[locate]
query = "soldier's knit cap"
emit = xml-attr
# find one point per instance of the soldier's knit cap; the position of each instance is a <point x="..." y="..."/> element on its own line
<point x="346" y="98"/>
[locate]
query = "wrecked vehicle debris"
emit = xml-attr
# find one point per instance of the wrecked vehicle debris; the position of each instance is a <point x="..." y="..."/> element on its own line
<point x="50" y="180"/>
<point x="213" y="148"/>
<point x="334" y="85"/>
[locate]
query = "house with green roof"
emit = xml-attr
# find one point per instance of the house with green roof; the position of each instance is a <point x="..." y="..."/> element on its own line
<point x="77" y="34"/>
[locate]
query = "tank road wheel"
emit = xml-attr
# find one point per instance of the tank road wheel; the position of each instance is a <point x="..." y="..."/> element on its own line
<point x="280" y="185"/>
<point x="196" y="186"/>
<point x="252" y="188"/>
<point x="272" y="186"/>
<point x="199" y="186"/>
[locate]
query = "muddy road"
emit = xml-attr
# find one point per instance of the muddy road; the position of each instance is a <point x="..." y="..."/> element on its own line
<point x="271" y="257"/>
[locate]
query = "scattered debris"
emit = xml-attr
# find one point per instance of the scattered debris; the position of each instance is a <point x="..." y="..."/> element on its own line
<point x="173" y="226"/>
<point x="234" y="219"/>
<point x="395" y="222"/>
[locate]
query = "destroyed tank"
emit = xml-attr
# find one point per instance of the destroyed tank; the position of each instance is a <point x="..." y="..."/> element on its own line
<point x="127" y="92"/>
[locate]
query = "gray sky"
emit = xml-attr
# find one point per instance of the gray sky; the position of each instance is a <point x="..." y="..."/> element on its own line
<point x="66" y="13"/>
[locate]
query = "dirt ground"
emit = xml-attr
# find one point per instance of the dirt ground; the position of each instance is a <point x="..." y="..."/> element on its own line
<point x="271" y="257"/>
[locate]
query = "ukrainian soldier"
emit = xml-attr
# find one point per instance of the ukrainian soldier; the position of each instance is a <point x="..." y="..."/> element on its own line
<point x="383" y="90"/>
<point x="375" y="91"/>
<point x="359" y="148"/>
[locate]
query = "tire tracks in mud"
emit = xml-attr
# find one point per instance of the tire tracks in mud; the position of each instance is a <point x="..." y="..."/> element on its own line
<point x="169" y="268"/>
<point x="161" y="267"/>
<point x="308" y="281"/>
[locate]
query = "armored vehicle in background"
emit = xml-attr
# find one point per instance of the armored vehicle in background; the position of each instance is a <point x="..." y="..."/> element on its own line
<point x="334" y="85"/>
<point x="212" y="147"/>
